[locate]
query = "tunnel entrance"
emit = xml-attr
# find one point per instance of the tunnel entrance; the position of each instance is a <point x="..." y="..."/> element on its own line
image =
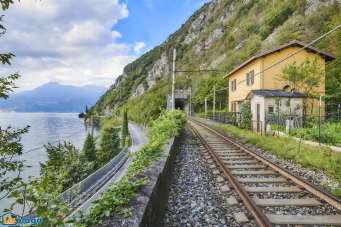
<point x="179" y="104"/>
<point x="181" y="100"/>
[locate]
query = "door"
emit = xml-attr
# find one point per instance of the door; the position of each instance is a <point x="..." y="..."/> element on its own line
<point x="258" y="117"/>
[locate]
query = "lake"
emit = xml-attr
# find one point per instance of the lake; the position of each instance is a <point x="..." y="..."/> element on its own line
<point x="44" y="128"/>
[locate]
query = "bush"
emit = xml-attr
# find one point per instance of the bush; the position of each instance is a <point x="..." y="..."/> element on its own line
<point x="63" y="168"/>
<point x="275" y="17"/>
<point x="330" y="133"/>
<point x="246" y="115"/>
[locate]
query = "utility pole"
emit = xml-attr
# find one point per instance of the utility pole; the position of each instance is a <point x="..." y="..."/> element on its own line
<point x="320" y="104"/>
<point x="190" y="101"/>
<point x="213" y="100"/>
<point x="173" y="80"/>
<point x="205" y="107"/>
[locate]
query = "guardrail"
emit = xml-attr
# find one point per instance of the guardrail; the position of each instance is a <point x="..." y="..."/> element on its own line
<point x="81" y="191"/>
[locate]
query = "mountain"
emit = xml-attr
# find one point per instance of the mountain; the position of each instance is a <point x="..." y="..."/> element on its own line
<point x="53" y="97"/>
<point x="221" y="35"/>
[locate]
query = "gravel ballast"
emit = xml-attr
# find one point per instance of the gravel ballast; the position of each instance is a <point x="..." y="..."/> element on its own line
<point x="195" y="197"/>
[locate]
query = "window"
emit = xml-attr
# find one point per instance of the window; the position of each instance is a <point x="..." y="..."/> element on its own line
<point x="270" y="109"/>
<point x="250" y="77"/>
<point x="233" y="85"/>
<point x="234" y="107"/>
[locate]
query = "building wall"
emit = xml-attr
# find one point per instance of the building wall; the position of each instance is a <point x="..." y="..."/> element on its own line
<point x="265" y="102"/>
<point x="295" y="104"/>
<point x="242" y="88"/>
<point x="261" y="101"/>
<point x="270" y="78"/>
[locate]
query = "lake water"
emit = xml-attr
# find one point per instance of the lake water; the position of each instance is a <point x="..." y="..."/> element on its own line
<point x="44" y="128"/>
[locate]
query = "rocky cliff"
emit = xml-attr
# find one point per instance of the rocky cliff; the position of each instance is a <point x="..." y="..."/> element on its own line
<point x="221" y="35"/>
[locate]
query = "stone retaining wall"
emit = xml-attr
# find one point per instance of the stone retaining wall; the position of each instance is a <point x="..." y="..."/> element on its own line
<point x="150" y="202"/>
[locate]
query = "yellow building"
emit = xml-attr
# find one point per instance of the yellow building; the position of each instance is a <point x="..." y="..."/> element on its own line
<point x="264" y="70"/>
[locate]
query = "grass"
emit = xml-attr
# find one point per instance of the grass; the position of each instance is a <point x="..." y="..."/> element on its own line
<point x="315" y="158"/>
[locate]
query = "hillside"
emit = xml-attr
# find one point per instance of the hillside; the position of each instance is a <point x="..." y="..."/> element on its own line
<point x="221" y="35"/>
<point x="53" y="97"/>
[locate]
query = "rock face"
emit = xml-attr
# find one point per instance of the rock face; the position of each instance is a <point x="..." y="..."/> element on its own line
<point x="160" y="68"/>
<point x="215" y="32"/>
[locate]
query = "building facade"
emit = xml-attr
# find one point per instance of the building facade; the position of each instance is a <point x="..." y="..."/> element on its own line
<point x="267" y="105"/>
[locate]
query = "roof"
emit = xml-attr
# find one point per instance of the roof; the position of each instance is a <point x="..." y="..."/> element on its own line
<point x="325" y="55"/>
<point x="276" y="93"/>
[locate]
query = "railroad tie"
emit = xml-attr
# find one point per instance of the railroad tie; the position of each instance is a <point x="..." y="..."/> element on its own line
<point x="273" y="189"/>
<point x="311" y="202"/>
<point x="253" y="172"/>
<point x="262" y="180"/>
<point x="305" y="219"/>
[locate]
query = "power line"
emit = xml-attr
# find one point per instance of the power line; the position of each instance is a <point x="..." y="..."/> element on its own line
<point x="199" y="71"/>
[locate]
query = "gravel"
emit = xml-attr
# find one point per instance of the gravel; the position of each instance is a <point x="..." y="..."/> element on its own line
<point x="195" y="198"/>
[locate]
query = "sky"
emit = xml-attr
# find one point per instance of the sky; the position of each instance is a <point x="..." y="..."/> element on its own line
<point x="85" y="42"/>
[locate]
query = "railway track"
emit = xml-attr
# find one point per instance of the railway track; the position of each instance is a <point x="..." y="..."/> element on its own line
<point x="272" y="195"/>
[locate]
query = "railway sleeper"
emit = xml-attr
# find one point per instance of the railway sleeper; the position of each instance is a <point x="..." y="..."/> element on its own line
<point x="304" y="219"/>
<point x="273" y="189"/>
<point x="311" y="202"/>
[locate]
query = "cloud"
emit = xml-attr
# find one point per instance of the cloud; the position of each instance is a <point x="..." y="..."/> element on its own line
<point x="66" y="41"/>
<point x="139" y="46"/>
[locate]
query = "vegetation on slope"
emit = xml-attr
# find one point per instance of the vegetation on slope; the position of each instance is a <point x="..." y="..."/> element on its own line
<point x="245" y="28"/>
<point x="65" y="167"/>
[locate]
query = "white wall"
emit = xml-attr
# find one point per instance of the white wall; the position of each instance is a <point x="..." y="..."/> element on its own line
<point x="261" y="101"/>
<point x="295" y="103"/>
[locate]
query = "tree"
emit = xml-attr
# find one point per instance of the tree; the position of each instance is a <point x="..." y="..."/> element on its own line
<point x="11" y="165"/>
<point x="205" y="89"/>
<point x="10" y="147"/>
<point x="63" y="168"/>
<point x="333" y="69"/>
<point x="110" y="144"/>
<point x="305" y="78"/>
<point x="246" y="115"/>
<point x="125" y="130"/>
<point x="89" y="149"/>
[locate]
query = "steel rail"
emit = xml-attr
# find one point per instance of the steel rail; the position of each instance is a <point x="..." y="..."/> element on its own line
<point x="332" y="200"/>
<point x="250" y="205"/>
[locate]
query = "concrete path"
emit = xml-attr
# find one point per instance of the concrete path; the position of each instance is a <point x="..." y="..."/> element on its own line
<point x="139" y="138"/>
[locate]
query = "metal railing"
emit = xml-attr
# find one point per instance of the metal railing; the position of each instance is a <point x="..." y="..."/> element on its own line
<point x="88" y="186"/>
<point x="223" y="117"/>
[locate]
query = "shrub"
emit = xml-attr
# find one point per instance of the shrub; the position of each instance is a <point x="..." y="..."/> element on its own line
<point x="246" y="115"/>
<point x="330" y="133"/>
